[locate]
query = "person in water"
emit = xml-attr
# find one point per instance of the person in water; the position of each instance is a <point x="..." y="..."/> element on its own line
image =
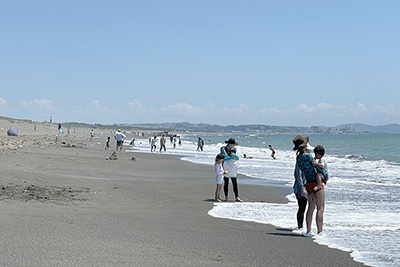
<point x="273" y="151"/>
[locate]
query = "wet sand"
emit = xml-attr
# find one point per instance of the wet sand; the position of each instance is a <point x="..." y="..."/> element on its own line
<point x="68" y="206"/>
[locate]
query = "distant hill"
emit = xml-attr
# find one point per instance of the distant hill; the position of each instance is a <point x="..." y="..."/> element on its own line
<point x="361" y="128"/>
<point x="204" y="127"/>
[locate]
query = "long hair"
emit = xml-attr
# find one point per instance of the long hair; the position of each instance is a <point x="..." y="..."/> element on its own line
<point x="301" y="150"/>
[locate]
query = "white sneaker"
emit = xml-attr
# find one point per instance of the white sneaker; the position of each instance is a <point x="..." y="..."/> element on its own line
<point x="300" y="231"/>
<point x="322" y="234"/>
<point x="309" y="234"/>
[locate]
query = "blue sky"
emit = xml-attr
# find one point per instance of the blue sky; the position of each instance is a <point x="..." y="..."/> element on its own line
<point x="226" y="62"/>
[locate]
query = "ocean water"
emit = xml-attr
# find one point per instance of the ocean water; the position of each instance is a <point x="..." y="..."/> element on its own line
<point x="362" y="212"/>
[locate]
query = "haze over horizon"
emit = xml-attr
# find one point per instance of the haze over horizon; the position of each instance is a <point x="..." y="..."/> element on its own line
<point x="227" y="62"/>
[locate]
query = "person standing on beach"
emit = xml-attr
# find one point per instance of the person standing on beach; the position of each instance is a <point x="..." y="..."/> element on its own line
<point x="91" y="134"/>
<point x="174" y="142"/>
<point x="119" y="136"/>
<point x="153" y="144"/>
<point x="230" y="165"/>
<point x="162" y="144"/>
<point x="273" y="151"/>
<point x="306" y="163"/>
<point x="180" y="141"/>
<point x="299" y="189"/>
<point x="219" y="170"/>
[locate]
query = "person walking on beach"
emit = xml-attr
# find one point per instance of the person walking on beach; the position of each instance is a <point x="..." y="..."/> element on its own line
<point x="174" y="142"/>
<point x="219" y="170"/>
<point x="273" y="151"/>
<point x="153" y="144"/>
<point x="119" y="136"/>
<point x="162" y="144"/>
<point x="230" y="165"/>
<point x="108" y="143"/>
<point x="306" y="164"/>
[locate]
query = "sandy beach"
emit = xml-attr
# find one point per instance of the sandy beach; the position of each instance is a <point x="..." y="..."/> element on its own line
<point x="64" y="204"/>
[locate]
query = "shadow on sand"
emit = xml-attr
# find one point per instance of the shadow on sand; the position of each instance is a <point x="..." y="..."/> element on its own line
<point x="285" y="232"/>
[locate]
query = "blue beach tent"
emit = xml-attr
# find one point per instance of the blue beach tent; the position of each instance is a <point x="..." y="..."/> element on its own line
<point x="12" y="131"/>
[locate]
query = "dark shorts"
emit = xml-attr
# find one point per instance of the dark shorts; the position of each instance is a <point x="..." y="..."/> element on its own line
<point x="119" y="143"/>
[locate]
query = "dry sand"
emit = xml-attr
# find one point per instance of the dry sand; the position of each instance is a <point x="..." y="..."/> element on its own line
<point x="68" y="206"/>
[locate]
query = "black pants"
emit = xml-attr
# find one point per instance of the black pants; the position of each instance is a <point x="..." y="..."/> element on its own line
<point x="302" y="202"/>
<point x="235" y="186"/>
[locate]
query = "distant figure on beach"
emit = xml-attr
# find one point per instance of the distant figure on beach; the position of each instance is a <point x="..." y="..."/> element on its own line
<point x="273" y="151"/>
<point x="180" y="141"/>
<point x="59" y="126"/>
<point x="153" y="144"/>
<point x="230" y="165"/>
<point x="175" y="142"/>
<point x="108" y="143"/>
<point x="162" y="144"/>
<point x="322" y="173"/>
<point x="91" y="134"/>
<point x="219" y="170"/>
<point x="200" y="144"/>
<point x="299" y="189"/>
<point x="35" y="127"/>
<point x="149" y="140"/>
<point x="119" y="136"/>
<point x="316" y="198"/>
<point x="247" y="157"/>
<point x="171" y="139"/>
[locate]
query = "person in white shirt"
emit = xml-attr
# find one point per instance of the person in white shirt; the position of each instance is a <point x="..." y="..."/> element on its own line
<point x="219" y="170"/>
<point x="119" y="136"/>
